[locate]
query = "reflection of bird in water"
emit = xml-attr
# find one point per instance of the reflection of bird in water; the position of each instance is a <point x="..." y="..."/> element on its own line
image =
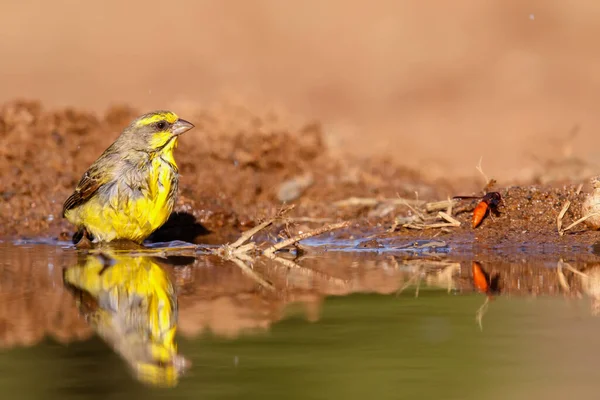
<point x="131" y="303"/>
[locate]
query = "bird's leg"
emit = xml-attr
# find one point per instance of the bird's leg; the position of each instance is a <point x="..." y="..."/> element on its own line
<point x="82" y="239"/>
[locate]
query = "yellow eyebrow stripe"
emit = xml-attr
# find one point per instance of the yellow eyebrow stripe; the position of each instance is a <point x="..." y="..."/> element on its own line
<point x="168" y="116"/>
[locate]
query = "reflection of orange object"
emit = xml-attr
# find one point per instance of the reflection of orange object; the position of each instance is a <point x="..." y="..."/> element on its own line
<point x="480" y="279"/>
<point x="490" y="201"/>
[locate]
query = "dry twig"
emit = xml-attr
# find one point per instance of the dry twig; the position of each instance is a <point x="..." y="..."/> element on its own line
<point x="431" y="226"/>
<point x="580" y="220"/>
<point x="564" y="210"/>
<point x="270" y="251"/>
<point x="440" y="205"/>
<point x="371" y="201"/>
<point x="449" y="219"/>
<point x="561" y="215"/>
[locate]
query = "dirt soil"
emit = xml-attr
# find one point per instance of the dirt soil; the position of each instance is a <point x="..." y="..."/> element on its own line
<point x="240" y="166"/>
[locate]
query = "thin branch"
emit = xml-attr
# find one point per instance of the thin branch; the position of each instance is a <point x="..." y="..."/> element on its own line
<point x="431" y="226"/>
<point x="440" y="205"/>
<point x="251" y="232"/>
<point x="561" y="215"/>
<point x="448" y="218"/>
<point x="371" y="201"/>
<point x="580" y="220"/>
<point x="269" y="251"/>
<point x="450" y="207"/>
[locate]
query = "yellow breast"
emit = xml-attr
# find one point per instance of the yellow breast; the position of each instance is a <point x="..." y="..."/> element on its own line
<point x="133" y="214"/>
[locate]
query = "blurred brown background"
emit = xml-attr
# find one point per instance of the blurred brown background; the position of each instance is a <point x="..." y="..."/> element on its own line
<point x="435" y="84"/>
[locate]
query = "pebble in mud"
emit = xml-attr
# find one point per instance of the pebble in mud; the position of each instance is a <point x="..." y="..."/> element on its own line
<point x="293" y="188"/>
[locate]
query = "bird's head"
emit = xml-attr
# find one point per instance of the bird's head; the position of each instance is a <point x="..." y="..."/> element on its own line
<point x="155" y="131"/>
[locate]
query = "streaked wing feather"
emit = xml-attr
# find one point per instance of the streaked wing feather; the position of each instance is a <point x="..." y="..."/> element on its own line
<point x="87" y="186"/>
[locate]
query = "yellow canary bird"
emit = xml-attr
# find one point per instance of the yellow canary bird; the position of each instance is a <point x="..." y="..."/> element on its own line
<point x="130" y="190"/>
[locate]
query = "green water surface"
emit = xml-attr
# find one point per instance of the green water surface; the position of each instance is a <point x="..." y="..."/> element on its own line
<point x="362" y="346"/>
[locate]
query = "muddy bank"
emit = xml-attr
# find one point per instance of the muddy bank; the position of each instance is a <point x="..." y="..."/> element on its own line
<point x="236" y="166"/>
<point x="241" y="165"/>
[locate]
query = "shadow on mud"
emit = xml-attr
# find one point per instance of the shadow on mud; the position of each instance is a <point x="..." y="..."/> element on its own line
<point x="180" y="226"/>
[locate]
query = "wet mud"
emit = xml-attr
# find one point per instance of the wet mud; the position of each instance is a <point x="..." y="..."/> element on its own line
<point x="240" y="166"/>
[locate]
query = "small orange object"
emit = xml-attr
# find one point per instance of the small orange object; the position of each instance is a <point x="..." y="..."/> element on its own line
<point x="480" y="278"/>
<point x="478" y="213"/>
<point x="490" y="201"/>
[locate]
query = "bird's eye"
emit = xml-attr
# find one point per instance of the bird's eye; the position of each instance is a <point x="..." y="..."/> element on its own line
<point x="161" y="125"/>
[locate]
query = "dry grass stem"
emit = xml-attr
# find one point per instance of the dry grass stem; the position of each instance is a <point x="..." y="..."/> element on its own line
<point x="563" y="211"/>
<point x="242" y="252"/>
<point x="430" y="226"/>
<point x="370" y="201"/>
<point x="449" y="219"/>
<point x="580" y="220"/>
<point x="440" y="205"/>
<point x="561" y="215"/>
<point x="420" y="221"/>
<point x="413" y="209"/>
<point x="450" y="207"/>
<point x="308" y="219"/>
<point x="251" y="232"/>
<point x="235" y="249"/>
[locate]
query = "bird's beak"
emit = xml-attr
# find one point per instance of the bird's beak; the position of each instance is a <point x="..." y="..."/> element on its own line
<point x="181" y="126"/>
